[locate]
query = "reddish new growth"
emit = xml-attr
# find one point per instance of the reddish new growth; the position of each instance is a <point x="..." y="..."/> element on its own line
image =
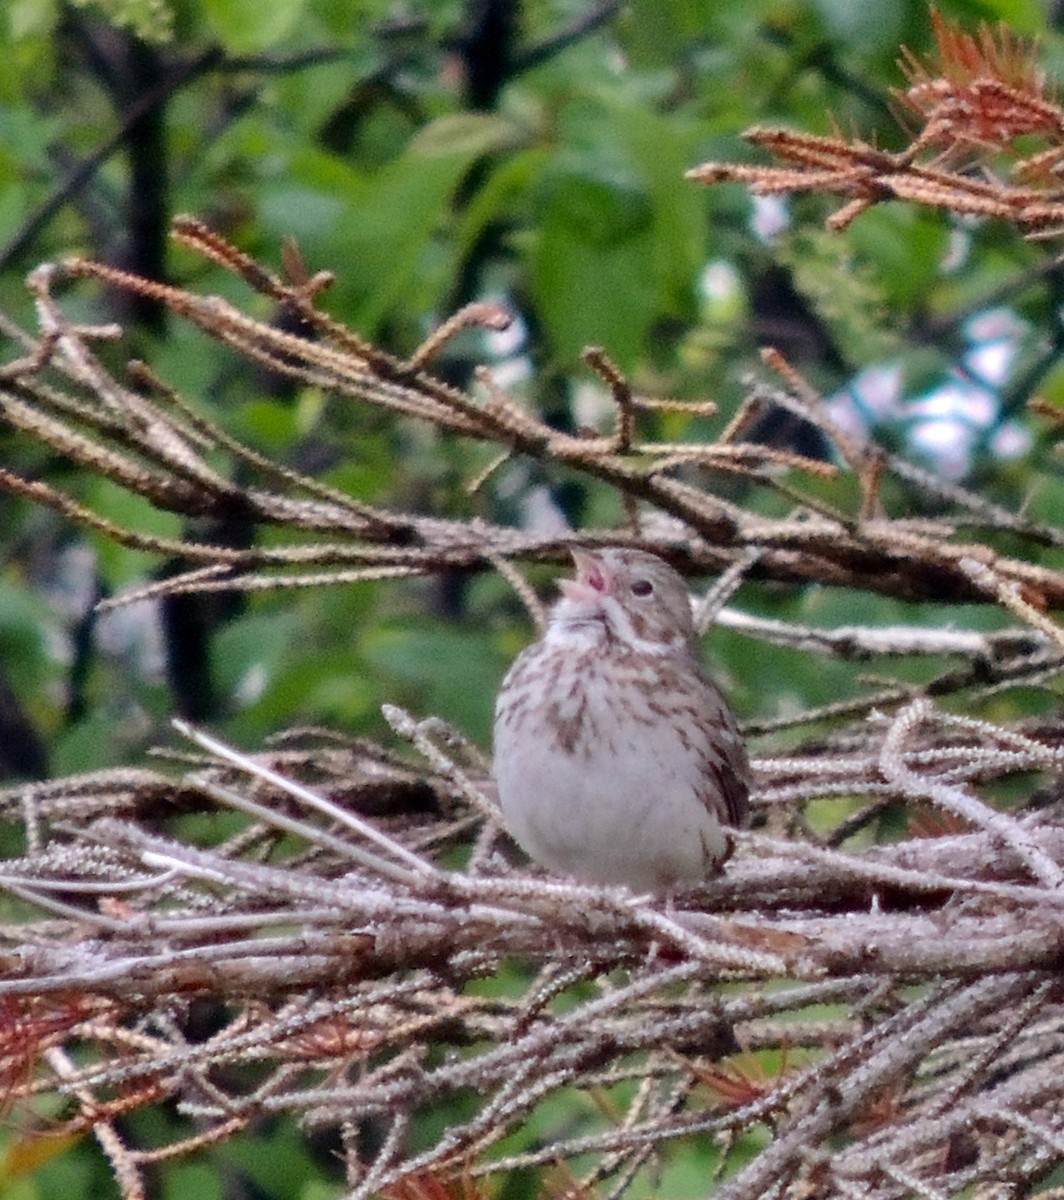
<point x="985" y="90"/>
<point x="983" y="93"/>
<point x="29" y="1026"/>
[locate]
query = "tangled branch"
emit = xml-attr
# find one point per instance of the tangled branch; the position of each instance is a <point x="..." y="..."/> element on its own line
<point x="348" y="957"/>
<point x="876" y="971"/>
<point x="982" y="96"/>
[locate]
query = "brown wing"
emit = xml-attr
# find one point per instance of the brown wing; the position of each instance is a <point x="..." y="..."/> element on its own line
<point x="726" y="766"/>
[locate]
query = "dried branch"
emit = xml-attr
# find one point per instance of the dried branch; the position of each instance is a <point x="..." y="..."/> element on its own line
<point x="145" y="437"/>
<point x="982" y="95"/>
<point x="876" y="970"/>
<point x="330" y="955"/>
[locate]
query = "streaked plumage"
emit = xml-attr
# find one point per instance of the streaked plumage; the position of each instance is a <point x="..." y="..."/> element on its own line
<point x="616" y="758"/>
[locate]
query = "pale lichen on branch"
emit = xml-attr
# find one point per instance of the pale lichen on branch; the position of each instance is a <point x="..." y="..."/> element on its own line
<point x="884" y="945"/>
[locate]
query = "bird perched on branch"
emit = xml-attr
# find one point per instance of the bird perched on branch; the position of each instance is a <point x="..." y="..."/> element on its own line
<point x="616" y="757"/>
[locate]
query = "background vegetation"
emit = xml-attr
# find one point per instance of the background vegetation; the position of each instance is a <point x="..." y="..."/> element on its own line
<point x="532" y="157"/>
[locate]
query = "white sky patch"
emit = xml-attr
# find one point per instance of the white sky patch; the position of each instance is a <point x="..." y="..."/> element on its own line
<point x="501" y="343"/>
<point x="1011" y="441"/>
<point x="957" y="250"/>
<point x="771" y="217"/>
<point x="872" y="397"/>
<point x="592" y="406"/>
<point x="966" y="403"/>
<point x="947" y="443"/>
<point x="948" y="424"/>
<point x="719" y="281"/>
<point x="510" y="374"/>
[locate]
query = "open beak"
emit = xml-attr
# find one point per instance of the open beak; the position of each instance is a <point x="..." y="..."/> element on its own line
<point x="591" y="582"/>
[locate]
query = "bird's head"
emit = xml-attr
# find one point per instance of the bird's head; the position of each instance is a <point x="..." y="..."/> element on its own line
<point x="637" y="598"/>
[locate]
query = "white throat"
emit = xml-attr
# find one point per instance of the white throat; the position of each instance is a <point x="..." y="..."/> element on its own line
<point x="574" y="624"/>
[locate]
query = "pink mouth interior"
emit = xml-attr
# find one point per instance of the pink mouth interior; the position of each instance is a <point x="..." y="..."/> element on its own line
<point x="589" y="586"/>
<point x="593" y="578"/>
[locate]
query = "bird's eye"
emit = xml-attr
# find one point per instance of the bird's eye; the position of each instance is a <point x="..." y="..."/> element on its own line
<point x="642" y="587"/>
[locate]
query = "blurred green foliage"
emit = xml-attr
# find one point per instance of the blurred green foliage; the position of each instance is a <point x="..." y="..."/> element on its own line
<point x="364" y="132"/>
<point x="555" y="183"/>
<point x="541" y="165"/>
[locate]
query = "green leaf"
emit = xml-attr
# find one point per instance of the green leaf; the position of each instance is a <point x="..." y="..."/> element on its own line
<point x="22" y="639"/>
<point x="464" y="135"/>
<point x="906" y="246"/>
<point x="845" y="293"/>
<point x="592" y="294"/>
<point x="29" y="18"/>
<point x="279" y="1166"/>
<point x="659" y="32"/>
<point x="120" y="565"/>
<point x="457" y="671"/>
<point x="599" y="208"/>
<point x="151" y="20"/>
<point x="389" y="225"/>
<point x="247" y="26"/>
<point x="507" y="183"/>
<point x="873" y="26"/>
<point x="621" y="234"/>
<point x="186" y="1179"/>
